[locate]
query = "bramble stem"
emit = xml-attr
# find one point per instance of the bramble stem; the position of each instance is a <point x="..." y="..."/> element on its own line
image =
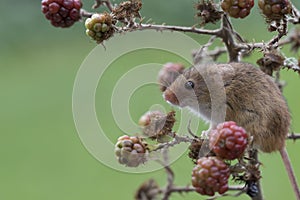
<point x="253" y="154"/>
<point x="293" y="136"/>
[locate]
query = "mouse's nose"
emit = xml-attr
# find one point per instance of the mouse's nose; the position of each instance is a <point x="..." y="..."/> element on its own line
<point x="170" y="97"/>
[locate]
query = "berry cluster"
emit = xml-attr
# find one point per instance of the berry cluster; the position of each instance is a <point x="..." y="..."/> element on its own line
<point x="131" y="151"/>
<point x="275" y="9"/>
<point x="99" y="27"/>
<point x="210" y="175"/>
<point x="228" y="141"/>
<point x="237" y="8"/>
<point x="62" y="13"/>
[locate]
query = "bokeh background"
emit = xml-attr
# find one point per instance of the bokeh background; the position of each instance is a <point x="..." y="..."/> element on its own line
<point x="41" y="154"/>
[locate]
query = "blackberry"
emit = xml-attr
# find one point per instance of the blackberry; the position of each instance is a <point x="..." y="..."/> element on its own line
<point x="275" y="9"/>
<point x="131" y="151"/>
<point x="62" y="13"/>
<point x="99" y="27"/>
<point x="210" y="175"/>
<point x="252" y="189"/>
<point x="228" y="141"/>
<point x="237" y="8"/>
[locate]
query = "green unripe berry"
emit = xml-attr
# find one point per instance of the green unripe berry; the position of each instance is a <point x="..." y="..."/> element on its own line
<point x="97" y="27"/>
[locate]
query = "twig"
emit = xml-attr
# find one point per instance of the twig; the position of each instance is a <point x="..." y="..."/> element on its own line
<point x="84" y="13"/>
<point x="226" y="33"/>
<point x="293" y="136"/>
<point x="190" y="131"/>
<point x="177" y="140"/>
<point x="296" y="13"/>
<point x="170" y="175"/>
<point x="218" y="51"/>
<point x="253" y="154"/>
<point x="175" y="28"/>
<point x="199" y="54"/>
<point x="280" y="34"/>
<point x="239" y="188"/>
<point x="182" y="189"/>
<point x="107" y="3"/>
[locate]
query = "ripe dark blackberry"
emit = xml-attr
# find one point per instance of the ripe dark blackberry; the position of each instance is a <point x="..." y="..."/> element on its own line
<point x="237" y="8"/>
<point x="228" y="141"/>
<point x="210" y="175"/>
<point x="273" y="60"/>
<point x="62" y="13"/>
<point x="252" y="189"/>
<point x="275" y="9"/>
<point x="131" y="151"/>
<point x="99" y="27"/>
<point x="168" y="74"/>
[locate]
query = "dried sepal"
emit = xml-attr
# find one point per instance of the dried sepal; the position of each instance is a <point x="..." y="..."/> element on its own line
<point x="127" y="10"/>
<point x="198" y="147"/>
<point x="157" y="125"/>
<point x="207" y="12"/>
<point x="272" y="60"/>
<point x="149" y="190"/>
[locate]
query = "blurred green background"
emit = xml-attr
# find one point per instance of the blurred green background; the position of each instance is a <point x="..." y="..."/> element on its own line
<point x="41" y="154"/>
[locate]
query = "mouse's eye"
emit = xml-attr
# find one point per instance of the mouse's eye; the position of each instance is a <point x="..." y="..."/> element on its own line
<point x="189" y="85"/>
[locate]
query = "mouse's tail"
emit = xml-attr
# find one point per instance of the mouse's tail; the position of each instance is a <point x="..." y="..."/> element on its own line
<point x="290" y="171"/>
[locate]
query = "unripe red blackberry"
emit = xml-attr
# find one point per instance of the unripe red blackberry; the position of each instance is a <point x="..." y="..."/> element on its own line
<point x="228" y="141"/>
<point x="237" y="8"/>
<point x="131" y="151"/>
<point x="62" y="13"/>
<point x="168" y="74"/>
<point x="210" y="175"/>
<point x="99" y="27"/>
<point x="275" y="9"/>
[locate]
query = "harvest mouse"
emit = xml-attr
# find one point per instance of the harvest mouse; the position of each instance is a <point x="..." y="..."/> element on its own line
<point x="237" y="92"/>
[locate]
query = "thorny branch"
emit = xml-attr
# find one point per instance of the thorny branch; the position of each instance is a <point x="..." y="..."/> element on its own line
<point x="174" y="28"/>
<point x="176" y="140"/>
<point x="235" y="46"/>
<point x="170" y="175"/>
<point x="171" y="188"/>
<point x="293" y="136"/>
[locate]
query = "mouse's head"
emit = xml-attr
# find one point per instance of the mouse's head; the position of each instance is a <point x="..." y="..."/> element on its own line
<point x="188" y="90"/>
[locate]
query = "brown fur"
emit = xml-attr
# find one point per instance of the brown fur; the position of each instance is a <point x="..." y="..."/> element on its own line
<point x="253" y="100"/>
